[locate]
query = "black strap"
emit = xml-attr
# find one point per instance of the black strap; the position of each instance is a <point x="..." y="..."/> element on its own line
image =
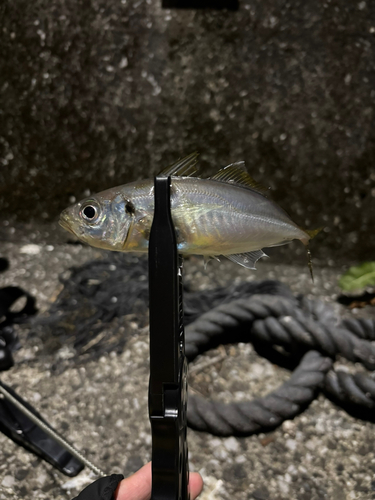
<point x="8" y="296"/>
<point x="102" y="489"/>
<point x="13" y="422"/>
<point x="18" y="427"/>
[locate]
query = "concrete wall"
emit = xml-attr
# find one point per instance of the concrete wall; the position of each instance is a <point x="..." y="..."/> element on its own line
<point x="96" y="93"/>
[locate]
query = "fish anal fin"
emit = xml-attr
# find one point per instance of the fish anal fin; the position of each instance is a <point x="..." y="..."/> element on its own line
<point x="184" y="167"/>
<point x="207" y="258"/>
<point x="236" y="173"/>
<point x="248" y="259"/>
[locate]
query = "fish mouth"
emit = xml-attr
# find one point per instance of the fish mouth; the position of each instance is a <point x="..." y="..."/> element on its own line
<point x="64" y="223"/>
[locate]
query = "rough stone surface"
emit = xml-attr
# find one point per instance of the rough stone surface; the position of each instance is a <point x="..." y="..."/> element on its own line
<point x="102" y="406"/>
<point x="96" y="93"/>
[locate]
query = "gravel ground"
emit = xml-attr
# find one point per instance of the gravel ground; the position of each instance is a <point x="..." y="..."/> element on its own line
<point x="101" y="406"/>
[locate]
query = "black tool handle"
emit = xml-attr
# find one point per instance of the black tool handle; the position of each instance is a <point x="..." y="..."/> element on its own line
<point x="168" y="366"/>
<point x="16" y="425"/>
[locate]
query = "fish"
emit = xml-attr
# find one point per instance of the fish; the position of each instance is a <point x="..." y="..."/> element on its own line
<point x="228" y="214"/>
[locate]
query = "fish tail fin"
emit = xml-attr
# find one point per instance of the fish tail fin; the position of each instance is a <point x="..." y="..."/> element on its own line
<point x="313" y="232"/>
<point x="309" y="262"/>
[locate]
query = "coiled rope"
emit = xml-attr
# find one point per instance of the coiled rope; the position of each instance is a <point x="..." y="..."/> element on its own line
<point x="291" y="331"/>
<point x="308" y="332"/>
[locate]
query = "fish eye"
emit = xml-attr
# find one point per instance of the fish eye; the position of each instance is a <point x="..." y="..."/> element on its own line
<point x="89" y="213"/>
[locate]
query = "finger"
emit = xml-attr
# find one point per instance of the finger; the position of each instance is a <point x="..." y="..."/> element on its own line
<point x="138" y="486"/>
<point x="195" y="484"/>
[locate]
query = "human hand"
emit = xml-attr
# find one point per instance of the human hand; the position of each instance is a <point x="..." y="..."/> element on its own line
<point x="138" y="486"/>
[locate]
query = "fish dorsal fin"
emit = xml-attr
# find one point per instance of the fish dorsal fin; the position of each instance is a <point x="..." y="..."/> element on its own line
<point x="248" y="259"/>
<point x="236" y="173"/>
<point x="183" y="167"/>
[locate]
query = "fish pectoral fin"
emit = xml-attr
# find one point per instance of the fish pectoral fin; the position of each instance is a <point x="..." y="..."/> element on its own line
<point x="236" y="173"/>
<point x="184" y="167"/>
<point x="248" y="259"/>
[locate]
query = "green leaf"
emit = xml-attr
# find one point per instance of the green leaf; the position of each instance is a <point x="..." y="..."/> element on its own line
<point x="358" y="276"/>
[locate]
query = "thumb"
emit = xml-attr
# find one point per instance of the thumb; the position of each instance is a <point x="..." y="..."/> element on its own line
<point x="138" y="486"/>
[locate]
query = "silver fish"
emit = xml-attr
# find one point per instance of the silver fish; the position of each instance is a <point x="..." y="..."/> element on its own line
<point x="227" y="214"/>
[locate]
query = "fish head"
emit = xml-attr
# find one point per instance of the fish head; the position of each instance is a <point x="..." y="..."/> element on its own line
<point x="103" y="220"/>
